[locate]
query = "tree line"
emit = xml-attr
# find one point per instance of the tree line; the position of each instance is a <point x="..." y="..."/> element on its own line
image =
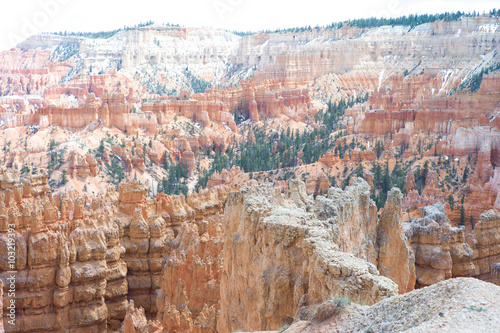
<point x="374" y="22"/>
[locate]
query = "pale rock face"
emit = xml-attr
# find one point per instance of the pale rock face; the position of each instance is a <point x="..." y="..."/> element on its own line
<point x="354" y="218"/>
<point x="433" y="262"/>
<point x="487" y="242"/>
<point x="135" y="321"/>
<point x="189" y="295"/>
<point x="444" y="311"/>
<point x="166" y="254"/>
<point x="211" y="260"/>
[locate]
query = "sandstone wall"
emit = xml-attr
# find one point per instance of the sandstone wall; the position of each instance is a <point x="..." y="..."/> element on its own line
<point x="395" y="257"/>
<point x="485" y="241"/>
<point x="280" y="255"/>
<point x="221" y="261"/>
<point x="80" y="261"/>
<point x="442" y="251"/>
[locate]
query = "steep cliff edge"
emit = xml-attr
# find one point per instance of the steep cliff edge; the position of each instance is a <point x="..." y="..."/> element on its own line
<point x="279" y="256"/>
<point x="395" y="257"/>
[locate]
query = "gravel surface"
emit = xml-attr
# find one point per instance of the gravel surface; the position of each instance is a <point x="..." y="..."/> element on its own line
<point x="454" y="305"/>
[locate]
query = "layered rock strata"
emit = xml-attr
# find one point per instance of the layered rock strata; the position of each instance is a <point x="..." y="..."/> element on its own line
<point x="281" y="254"/>
<point x="442" y="251"/>
<point x="79" y="261"/>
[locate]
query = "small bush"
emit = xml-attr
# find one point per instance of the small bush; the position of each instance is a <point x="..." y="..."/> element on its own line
<point x="283" y="328"/>
<point x="331" y="308"/>
<point x="342" y="301"/>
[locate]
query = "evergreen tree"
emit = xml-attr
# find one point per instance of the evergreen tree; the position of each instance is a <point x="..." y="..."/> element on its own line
<point x="64" y="177"/>
<point x="462" y="211"/>
<point x="451" y="201"/>
<point x="359" y="171"/>
<point x="386" y="180"/>
<point x="60" y="159"/>
<point x="398" y="177"/>
<point x="425" y="172"/>
<point x="100" y="149"/>
<point x="465" y="175"/>
<point x="379" y="148"/>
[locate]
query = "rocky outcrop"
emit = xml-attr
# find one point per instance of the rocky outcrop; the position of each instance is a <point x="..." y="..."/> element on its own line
<point x="79" y="261"/>
<point x="317" y="184"/>
<point x="62" y="273"/>
<point x="485" y="240"/>
<point x="82" y="166"/>
<point x="444" y="311"/>
<point x="143" y="272"/>
<point x="213" y="260"/>
<point x="135" y="321"/>
<point x="395" y="257"/>
<point x="225" y="177"/>
<point x="112" y="109"/>
<point x="190" y="276"/>
<point x="432" y="238"/>
<point x="281" y="254"/>
<point x="442" y="251"/>
<point x="189" y="295"/>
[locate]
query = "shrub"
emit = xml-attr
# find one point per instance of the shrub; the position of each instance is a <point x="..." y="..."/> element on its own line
<point x="331" y="308"/>
<point x="283" y="328"/>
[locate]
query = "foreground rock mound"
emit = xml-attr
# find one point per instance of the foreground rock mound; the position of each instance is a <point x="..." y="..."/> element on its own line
<point x="455" y="305"/>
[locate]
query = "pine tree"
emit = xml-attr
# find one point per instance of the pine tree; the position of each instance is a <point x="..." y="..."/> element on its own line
<point x="386" y="180"/>
<point x="451" y="201"/>
<point x="398" y="177"/>
<point x="64" y="177"/>
<point x="466" y="174"/>
<point x="425" y="171"/>
<point x="60" y="158"/>
<point x="462" y="211"/>
<point x="359" y="171"/>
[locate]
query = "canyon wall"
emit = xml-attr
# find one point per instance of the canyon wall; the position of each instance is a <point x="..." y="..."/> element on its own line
<point x="249" y="259"/>
<point x="282" y="254"/>
<point x="495" y="272"/>
<point x="442" y="251"/>
<point x="220" y="260"/>
<point x="274" y="73"/>
<point x="80" y="260"/>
